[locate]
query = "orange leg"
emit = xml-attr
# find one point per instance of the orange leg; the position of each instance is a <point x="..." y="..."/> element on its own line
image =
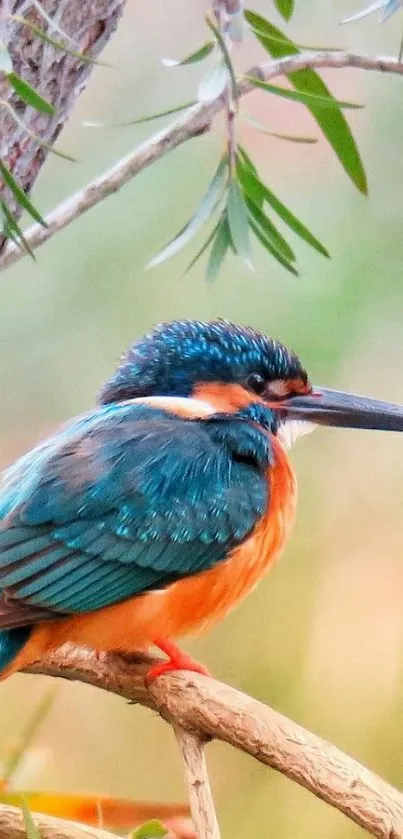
<point x="177" y="660"/>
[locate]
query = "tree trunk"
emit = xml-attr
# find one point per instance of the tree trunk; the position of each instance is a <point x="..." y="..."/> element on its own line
<point x="57" y="76"/>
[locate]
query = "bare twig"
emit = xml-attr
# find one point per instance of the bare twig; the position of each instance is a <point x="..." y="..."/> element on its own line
<point x="195" y="121"/>
<point x="212" y="709"/>
<point x="200" y="797"/>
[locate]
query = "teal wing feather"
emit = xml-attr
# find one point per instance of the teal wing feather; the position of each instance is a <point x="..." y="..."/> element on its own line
<point x="122" y="500"/>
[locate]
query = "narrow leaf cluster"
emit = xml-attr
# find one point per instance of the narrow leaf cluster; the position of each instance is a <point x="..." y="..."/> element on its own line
<point x="239" y="203"/>
<point x="238" y="206"/>
<point x="330" y="120"/>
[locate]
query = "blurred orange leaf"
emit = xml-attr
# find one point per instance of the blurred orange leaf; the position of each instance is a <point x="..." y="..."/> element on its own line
<point x="97" y="810"/>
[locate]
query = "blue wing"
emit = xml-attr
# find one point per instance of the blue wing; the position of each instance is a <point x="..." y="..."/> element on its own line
<point x="122" y="500"/>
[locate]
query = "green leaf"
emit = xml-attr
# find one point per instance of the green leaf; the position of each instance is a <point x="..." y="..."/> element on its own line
<point x="221" y="244"/>
<point x="29" y="95"/>
<point x="19" y="194"/>
<point x="259" y="192"/>
<point x="294" y="223"/>
<point x="199" y="55"/>
<point x="58" y="45"/>
<point x="35" y="137"/>
<point x="267" y="244"/>
<point x="203" y="248"/>
<point x="238" y="223"/>
<point x="333" y="123"/>
<point x="285" y="7"/>
<point x="205" y="209"/>
<point x="11" y="235"/>
<point x="284" y="41"/>
<point x="290" y="138"/>
<point x="309" y="99"/>
<point x="30" y="826"/>
<point x="248" y="178"/>
<point x="12" y="230"/>
<point x="7" y="229"/>
<point x="51" y="149"/>
<point x="270" y="231"/>
<point x="158" y="115"/>
<point x="153" y="829"/>
<point x="6" y="64"/>
<point x="247" y="162"/>
<point x="226" y="56"/>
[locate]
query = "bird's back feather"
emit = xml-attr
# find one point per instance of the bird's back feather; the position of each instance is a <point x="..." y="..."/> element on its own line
<point x="125" y="499"/>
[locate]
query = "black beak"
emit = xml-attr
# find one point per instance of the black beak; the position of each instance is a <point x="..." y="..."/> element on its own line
<point x="332" y="407"/>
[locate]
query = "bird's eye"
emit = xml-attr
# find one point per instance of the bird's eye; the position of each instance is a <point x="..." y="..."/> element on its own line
<point x="256" y="383"/>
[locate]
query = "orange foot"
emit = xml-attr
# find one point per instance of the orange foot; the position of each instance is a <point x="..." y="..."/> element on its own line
<point x="177" y="660"/>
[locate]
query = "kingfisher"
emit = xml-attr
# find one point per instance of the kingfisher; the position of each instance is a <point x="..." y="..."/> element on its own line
<point x="151" y="516"/>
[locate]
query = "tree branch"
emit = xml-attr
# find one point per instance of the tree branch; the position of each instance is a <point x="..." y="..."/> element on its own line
<point x="58" y="76"/>
<point x="214" y="710"/>
<point x="201" y="800"/>
<point x="193" y="122"/>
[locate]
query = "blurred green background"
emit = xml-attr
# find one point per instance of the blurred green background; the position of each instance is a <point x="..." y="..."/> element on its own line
<point x="322" y="637"/>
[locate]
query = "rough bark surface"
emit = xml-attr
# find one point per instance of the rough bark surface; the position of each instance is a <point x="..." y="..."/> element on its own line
<point x="210" y="709"/>
<point x="57" y="76"/>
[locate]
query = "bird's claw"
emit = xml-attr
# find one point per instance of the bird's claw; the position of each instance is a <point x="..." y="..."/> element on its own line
<point x="178" y="660"/>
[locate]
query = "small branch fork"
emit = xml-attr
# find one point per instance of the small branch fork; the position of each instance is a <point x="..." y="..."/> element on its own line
<point x="195" y="121"/>
<point x="200" y="708"/>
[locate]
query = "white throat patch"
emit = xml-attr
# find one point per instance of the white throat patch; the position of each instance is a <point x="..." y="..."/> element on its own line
<point x="290" y="430"/>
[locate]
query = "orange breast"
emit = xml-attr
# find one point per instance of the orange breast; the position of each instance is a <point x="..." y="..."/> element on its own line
<point x="195" y="603"/>
<point x="189" y="605"/>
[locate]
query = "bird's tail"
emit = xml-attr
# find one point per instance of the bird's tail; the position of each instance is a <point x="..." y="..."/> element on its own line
<point x="11" y="642"/>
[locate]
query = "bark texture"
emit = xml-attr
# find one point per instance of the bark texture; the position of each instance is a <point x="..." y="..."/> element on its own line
<point x="210" y="709"/>
<point x="57" y="76"/>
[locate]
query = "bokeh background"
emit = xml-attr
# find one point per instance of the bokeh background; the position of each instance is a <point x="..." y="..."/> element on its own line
<point x="322" y="638"/>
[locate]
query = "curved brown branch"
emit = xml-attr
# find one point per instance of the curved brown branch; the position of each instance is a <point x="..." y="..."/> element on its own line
<point x="202" y="705"/>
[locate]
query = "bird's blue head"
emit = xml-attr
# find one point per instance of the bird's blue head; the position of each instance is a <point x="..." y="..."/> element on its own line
<point x="175" y="358"/>
<point x="185" y="358"/>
